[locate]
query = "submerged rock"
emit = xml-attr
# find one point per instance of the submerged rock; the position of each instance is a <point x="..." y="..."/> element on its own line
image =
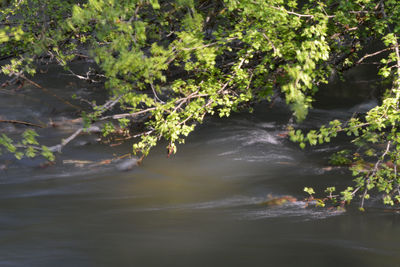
<point x="278" y="201"/>
<point x="128" y="164"/>
<point x="77" y="163"/>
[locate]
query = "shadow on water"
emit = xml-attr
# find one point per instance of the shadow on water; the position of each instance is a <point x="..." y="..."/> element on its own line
<point x="201" y="207"/>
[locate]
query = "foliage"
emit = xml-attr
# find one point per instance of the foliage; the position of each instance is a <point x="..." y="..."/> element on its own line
<point x="340" y="158"/>
<point x="27" y="146"/>
<point x="168" y="64"/>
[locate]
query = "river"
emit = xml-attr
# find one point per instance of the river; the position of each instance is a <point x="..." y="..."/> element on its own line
<point x="200" y="207"/>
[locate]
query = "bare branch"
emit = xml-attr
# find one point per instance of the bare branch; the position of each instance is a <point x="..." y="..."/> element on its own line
<point x="374" y="170"/>
<point x="270" y="42"/>
<point x="126" y="115"/>
<point x="64" y="142"/>
<point x="372" y="55"/>
<point x="155" y="94"/>
<point x="22" y="122"/>
<point x="297" y="14"/>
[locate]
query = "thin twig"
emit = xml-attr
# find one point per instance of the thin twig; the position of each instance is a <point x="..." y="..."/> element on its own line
<point x="155" y="94"/>
<point x="374" y="170"/>
<point x="271" y="43"/>
<point x="297" y="14"/>
<point x="22" y="122"/>
<point x="126" y="115"/>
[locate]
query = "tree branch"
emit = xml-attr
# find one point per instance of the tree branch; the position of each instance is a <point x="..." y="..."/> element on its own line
<point x="22" y="122"/>
<point x="64" y="142"/>
<point x="371" y="55"/>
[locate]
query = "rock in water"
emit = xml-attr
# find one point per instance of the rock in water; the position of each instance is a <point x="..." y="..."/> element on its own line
<point x="127" y="164"/>
<point x="278" y="201"/>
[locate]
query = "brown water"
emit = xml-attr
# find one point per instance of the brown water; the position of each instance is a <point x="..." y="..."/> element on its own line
<point x="198" y="208"/>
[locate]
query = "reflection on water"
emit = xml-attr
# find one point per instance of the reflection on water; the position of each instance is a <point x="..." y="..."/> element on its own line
<point x="201" y="207"/>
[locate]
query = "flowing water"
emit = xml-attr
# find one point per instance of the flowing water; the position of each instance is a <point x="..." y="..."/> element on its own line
<point x="201" y="207"/>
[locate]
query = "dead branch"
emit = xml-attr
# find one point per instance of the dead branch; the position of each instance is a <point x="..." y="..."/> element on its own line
<point x="297" y="14"/>
<point x="64" y="142"/>
<point x="371" y="55"/>
<point x="22" y="122"/>
<point x="126" y="115"/>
